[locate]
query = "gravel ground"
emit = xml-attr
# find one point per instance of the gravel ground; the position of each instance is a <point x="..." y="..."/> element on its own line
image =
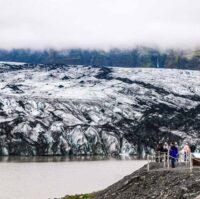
<point x="159" y="184"/>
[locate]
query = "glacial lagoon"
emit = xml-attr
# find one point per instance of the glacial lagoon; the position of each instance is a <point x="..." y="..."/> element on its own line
<point x="54" y="177"/>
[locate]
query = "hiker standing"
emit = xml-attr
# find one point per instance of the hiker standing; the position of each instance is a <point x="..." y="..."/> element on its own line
<point x="178" y="155"/>
<point x="166" y="147"/>
<point x="159" y="151"/>
<point x="186" y="150"/>
<point x="192" y="147"/>
<point x="173" y="154"/>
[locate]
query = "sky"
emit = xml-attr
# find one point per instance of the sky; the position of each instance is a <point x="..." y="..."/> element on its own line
<point x="103" y="24"/>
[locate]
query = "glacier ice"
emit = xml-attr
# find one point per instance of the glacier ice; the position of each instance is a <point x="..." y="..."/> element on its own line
<point x="96" y="111"/>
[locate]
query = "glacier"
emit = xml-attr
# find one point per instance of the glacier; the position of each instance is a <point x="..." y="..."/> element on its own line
<point x="84" y="110"/>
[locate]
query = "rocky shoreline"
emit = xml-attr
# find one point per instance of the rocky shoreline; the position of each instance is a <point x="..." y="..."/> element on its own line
<point x="160" y="184"/>
<point x="156" y="183"/>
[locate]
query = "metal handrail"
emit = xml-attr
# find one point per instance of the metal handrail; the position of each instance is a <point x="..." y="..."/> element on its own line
<point x="165" y="156"/>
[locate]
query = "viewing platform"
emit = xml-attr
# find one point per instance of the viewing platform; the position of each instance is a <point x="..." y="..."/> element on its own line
<point x="184" y="161"/>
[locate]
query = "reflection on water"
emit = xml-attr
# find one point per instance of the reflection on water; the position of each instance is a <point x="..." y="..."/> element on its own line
<point x="63" y="158"/>
<point x="51" y="177"/>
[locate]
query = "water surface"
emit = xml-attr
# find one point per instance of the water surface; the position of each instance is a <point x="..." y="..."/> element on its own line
<point x="50" y="177"/>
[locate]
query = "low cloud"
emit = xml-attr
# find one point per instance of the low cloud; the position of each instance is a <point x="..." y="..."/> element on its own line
<point x="59" y="24"/>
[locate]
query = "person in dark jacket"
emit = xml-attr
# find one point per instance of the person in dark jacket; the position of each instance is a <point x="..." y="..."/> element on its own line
<point x="159" y="152"/>
<point x="192" y="147"/>
<point x="173" y="154"/>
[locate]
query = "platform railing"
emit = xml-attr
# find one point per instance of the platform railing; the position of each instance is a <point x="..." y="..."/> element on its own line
<point x="164" y="160"/>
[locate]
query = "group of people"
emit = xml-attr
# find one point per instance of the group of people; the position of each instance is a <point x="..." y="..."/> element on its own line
<point x="173" y="151"/>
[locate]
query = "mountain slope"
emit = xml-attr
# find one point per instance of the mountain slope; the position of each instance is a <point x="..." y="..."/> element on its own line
<point x="140" y="56"/>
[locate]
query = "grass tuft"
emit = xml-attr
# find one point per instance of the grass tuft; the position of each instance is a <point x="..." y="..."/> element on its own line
<point x="81" y="196"/>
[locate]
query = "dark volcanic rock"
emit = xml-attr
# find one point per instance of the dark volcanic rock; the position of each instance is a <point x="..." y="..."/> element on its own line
<point x="104" y="73"/>
<point x="65" y="78"/>
<point x="155" y="184"/>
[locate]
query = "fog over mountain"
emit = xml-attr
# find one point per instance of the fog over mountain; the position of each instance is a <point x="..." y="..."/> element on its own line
<point x="104" y="24"/>
<point x="135" y="57"/>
